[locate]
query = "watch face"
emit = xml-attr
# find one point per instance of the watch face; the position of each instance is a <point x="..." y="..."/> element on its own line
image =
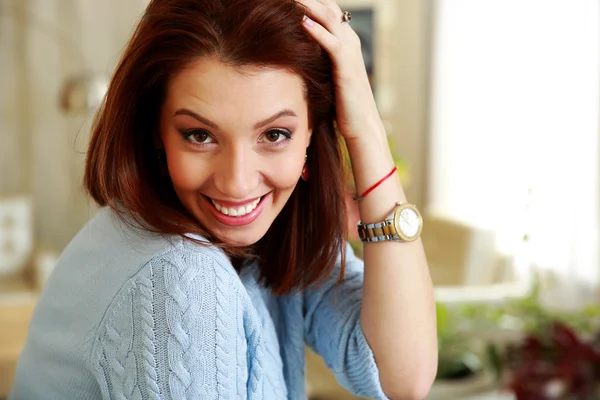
<point x="408" y="222"/>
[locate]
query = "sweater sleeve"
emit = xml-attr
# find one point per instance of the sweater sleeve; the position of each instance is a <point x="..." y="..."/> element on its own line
<point x="171" y="333"/>
<point x="332" y="329"/>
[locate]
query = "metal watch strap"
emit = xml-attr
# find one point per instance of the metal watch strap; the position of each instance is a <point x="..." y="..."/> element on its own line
<point x="377" y="232"/>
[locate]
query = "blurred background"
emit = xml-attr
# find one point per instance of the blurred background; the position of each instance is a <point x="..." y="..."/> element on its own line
<point x="493" y="112"/>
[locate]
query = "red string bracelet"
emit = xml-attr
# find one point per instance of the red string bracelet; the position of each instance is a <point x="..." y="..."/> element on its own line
<point x="369" y="190"/>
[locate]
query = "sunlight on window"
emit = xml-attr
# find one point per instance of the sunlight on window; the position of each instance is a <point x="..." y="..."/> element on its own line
<point x="515" y="113"/>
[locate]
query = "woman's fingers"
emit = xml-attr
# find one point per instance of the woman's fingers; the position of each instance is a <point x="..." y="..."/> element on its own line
<point x="333" y="4"/>
<point x="324" y="23"/>
<point x="354" y="99"/>
<point x="328" y="16"/>
<point x="328" y="41"/>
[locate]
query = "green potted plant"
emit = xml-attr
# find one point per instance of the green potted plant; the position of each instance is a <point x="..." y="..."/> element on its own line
<point x="556" y="355"/>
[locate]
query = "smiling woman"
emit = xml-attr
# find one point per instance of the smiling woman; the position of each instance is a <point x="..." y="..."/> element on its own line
<point x="220" y="247"/>
<point x="228" y="98"/>
<point x="235" y="140"/>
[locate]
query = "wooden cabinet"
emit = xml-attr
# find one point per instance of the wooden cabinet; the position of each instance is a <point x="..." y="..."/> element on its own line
<point x="16" y="307"/>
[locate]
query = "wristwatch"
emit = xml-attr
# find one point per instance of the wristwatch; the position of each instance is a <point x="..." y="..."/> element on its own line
<point x="404" y="224"/>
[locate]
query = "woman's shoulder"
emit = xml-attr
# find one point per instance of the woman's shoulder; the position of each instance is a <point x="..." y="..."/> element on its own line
<point x="114" y="284"/>
<point x="114" y="240"/>
<point x="109" y="258"/>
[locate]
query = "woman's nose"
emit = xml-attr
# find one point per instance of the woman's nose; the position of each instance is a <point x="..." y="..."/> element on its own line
<point x="236" y="174"/>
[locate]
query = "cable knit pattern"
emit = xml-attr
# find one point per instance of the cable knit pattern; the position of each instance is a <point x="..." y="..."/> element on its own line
<point x="255" y="346"/>
<point x="118" y="350"/>
<point x="147" y="317"/>
<point x="241" y="348"/>
<point x="128" y="314"/>
<point x="223" y="338"/>
<point x="275" y="385"/>
<point x="178" y="314"/>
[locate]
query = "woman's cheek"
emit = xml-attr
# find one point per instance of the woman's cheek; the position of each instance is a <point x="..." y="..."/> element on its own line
<point x="187" y="173"/>
<point x="287" y="171"/>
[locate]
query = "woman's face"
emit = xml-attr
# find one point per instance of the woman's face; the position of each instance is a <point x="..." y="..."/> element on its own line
<point x="235" y="140"/>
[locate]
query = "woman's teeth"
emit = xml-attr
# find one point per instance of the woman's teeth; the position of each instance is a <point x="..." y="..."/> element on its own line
<point x="236" y="211"/>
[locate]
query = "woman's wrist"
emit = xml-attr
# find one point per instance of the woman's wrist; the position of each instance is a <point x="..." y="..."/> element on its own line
<point x="371" y="161"/>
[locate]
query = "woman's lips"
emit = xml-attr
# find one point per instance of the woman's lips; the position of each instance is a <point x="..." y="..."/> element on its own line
<point x="241" y="220"/>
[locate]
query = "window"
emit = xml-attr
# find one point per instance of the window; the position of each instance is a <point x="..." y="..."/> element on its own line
<point x="515" y="126"/>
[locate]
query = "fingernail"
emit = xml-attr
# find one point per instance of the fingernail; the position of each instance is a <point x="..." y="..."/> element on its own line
<point x="307" y="21"/>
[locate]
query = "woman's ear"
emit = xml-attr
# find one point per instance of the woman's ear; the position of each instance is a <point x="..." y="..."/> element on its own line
<point x="310" y="131"/>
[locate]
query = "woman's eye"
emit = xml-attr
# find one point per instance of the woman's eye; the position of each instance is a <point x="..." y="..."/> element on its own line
<point x="197" y="136"/>
<point x="277" y="135"/>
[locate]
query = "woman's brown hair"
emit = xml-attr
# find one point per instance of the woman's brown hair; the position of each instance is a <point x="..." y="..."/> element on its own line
<point x="122" y="168"/>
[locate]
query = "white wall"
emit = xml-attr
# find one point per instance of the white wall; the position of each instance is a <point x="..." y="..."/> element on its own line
<point x="408" y="60"/>
<point x="42" y="42"/>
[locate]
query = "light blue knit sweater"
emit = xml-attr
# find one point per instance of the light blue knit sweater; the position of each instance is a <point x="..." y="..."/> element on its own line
<point x="131" y="315"/>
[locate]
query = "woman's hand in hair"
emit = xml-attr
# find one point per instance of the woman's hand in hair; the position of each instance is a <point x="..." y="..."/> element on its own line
<point x="398" y="306"/>
<point x="357" y="115"/>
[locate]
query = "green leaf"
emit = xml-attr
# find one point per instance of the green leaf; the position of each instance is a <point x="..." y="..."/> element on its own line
<point x="443" y="320"/>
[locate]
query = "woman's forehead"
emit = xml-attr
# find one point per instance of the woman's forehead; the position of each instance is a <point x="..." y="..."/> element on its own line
<point x="213" y="78"/>
<point x="221" y="90"/>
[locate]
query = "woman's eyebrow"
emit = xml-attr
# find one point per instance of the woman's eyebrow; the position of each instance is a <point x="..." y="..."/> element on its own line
<point x="189" y="113"/>
<point x="283" y="113"/>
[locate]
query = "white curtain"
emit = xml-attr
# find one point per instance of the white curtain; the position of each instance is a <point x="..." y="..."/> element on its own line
<point x="515" y="117"/>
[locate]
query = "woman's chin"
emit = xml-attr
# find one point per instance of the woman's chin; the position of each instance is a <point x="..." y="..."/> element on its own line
<point x="240" y="239"/>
